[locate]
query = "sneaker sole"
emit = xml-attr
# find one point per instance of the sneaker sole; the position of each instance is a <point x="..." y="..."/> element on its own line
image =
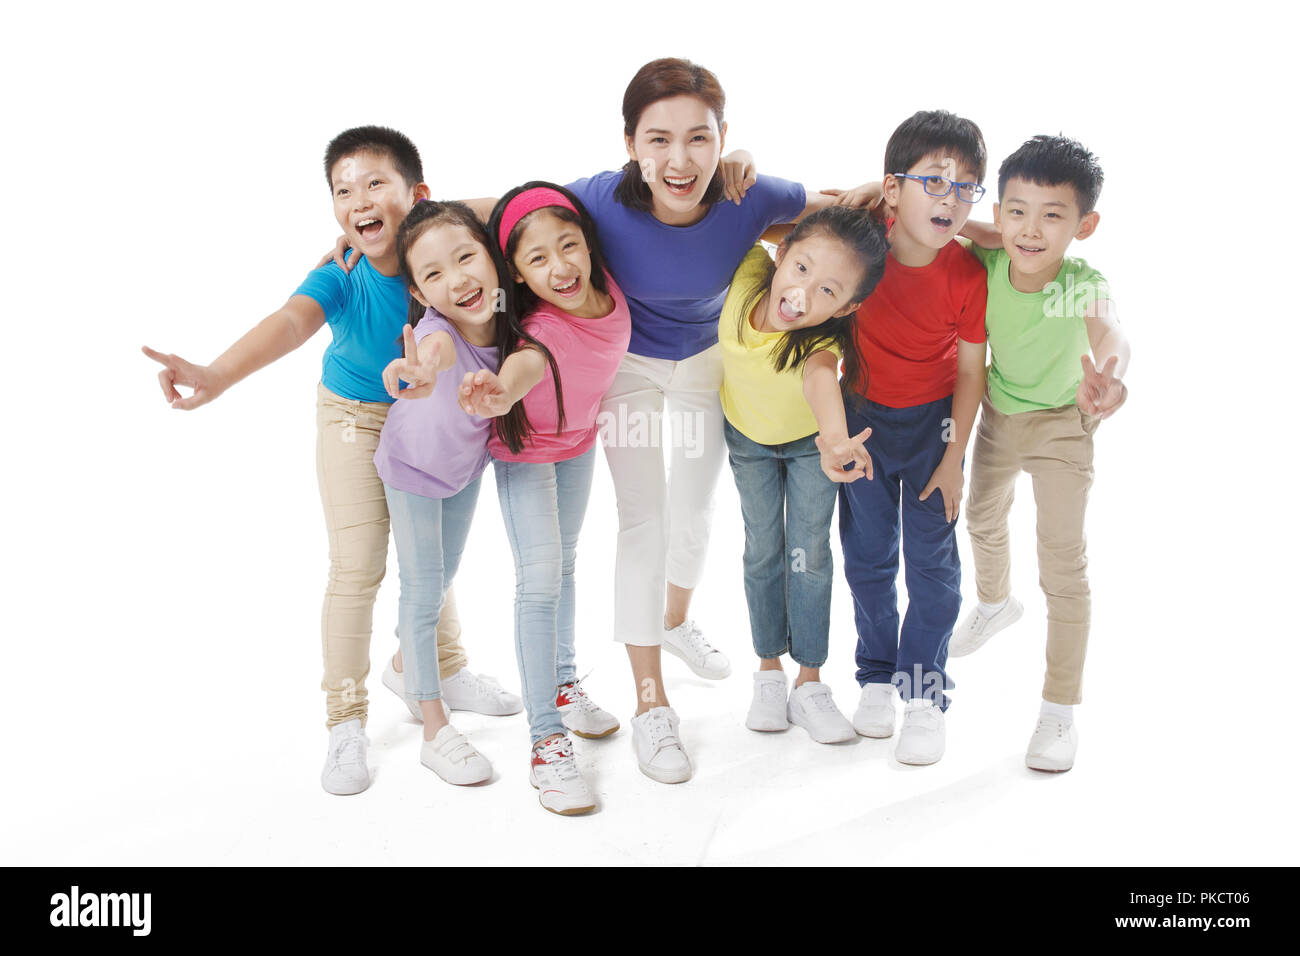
<point x="1044" y="766"/>
<point x="456" y="783"/>
<point x="984" y="639"/>
<point x="586" y="736"/>
<point x="345" y="793"/>
<point x="698" y="672"/>
<point x="767" y="730"/>
<point x="571" y="812"/>
<point x="662" y="776"/>
<point x="828" y="740"/>
<point x="912" y="760"/>
<point x="874" y="733"/>
<point x="485" y="713"/>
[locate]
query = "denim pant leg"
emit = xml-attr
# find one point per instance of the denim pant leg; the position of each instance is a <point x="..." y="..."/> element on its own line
<point x="572" y="490"/>
<point x="529" y="509"/>
<point x="760" y="482"/>
<point x="430" y="536"/>
<point x="931" y="562"/>
<point x="869" y="535"/>
<point x="809" y="506"/>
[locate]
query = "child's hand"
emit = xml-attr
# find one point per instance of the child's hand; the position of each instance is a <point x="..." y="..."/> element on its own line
<point x="845" y="459"/>
<point x="871" y="195"/>
<point x="738" y="174"/>
<point x="950" y="481"/>
<point x="420" y="375"/>
<point x="207" y="384"/>
<point x="482" y="394"/>
<point x="1100" y="393"/>
<point x="339" y="256"/>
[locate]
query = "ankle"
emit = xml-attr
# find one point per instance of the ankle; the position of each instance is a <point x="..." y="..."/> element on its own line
<point x="989" y="608"/>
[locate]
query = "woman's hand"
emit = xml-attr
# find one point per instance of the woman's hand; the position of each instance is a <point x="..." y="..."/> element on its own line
<point x="738" y="174"/>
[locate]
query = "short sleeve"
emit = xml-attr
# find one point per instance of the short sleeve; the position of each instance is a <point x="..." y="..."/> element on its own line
<point x="970" y="316"/>
<point x="594" y="191"/>
<point x="432" y="321"/>
<point x="775" y="200"/>
<point x="328" y="288"/>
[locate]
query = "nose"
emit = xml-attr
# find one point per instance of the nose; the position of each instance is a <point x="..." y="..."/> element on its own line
<point x="677" y="156"/>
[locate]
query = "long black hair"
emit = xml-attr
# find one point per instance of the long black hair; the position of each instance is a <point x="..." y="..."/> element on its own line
<point x="514" y="427"/>
<point x="862" y="235"/>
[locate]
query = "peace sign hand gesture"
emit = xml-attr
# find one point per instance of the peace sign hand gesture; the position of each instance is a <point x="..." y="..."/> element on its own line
<point x="421" y="373"/>
<point x="482" y="394"/>
<point x="1100" y="392"/>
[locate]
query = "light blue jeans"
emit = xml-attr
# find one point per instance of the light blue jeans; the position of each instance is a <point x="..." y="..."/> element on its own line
<point x="430" y="535"/>
<point x="787" y="503"/>
<point x="542" y="506"/>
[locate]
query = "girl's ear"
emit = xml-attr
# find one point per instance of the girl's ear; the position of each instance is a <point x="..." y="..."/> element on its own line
<point x="415" y="294"/>
<point x="780" y="251"/>
<point x="847" y="310"/>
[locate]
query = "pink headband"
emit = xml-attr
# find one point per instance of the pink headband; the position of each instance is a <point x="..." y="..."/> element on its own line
<point x="530" y="200"/>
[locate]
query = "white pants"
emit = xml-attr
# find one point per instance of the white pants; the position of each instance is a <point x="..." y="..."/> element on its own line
<point x="663" y="522"/>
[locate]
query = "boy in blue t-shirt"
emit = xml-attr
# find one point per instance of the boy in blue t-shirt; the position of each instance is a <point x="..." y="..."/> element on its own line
<point x="375" y="177"/>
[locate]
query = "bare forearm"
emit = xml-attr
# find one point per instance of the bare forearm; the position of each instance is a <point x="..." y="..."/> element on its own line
<point x="272" y="338"/>
<point x="822" y="391"/>
<point x="966" y="398"/>
<point x="520" y="372"/>
<point x="1115" y="343"/>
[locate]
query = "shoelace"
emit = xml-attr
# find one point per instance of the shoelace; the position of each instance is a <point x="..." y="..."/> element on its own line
<point x="488" y="686"/>
<point x="693" y="638"/>
<point x="351" y="751"/>
<point x="821" y="700"/>
<point x="558" y="755"/>
<point x="578" y="697"/>
<point x="660" y="731"/>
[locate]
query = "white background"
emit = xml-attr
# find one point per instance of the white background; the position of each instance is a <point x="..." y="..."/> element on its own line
<point x="164" y="570"/>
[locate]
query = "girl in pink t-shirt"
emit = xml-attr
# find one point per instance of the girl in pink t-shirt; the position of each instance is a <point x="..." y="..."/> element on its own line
<point x="544" y="444"/>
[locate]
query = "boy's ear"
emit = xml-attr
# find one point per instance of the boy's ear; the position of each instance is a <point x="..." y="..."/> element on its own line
<point x="415" y="294"/>
<point x="421" y="192"/>
<point x="1089" y="225"/>
<point x="997" y="216"/>
<point x="892" y="184"/>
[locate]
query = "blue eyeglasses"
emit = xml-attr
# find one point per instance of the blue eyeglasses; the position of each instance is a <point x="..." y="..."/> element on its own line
<point x="941" y="186"/>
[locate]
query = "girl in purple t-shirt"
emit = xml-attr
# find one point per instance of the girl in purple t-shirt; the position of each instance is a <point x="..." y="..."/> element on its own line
<point x="544" y="447"/>
<point x="431" y="455"/>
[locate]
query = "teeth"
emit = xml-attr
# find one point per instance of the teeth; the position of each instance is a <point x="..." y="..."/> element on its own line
<point x="366" y="222"/>
<point x="568" y="285"/>
<point x="679" y="182"/>
<point x="465" y="298"/>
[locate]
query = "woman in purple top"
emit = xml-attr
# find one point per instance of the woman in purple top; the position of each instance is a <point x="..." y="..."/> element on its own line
<point x="673" y="246"/>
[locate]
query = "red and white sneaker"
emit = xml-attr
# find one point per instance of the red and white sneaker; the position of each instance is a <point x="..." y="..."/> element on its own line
<point x="559" y="783"/>
<point x="580" y="713"/>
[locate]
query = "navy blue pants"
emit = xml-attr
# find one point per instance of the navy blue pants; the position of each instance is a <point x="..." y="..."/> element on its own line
<point x="906" y="446"/>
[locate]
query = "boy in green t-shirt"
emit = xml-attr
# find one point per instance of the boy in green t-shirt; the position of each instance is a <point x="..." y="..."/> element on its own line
<point x="1045" y="398"/>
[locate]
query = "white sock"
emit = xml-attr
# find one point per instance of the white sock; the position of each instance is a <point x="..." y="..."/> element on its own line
<point x="988" y="610"/>
<point x="1064" y="711"/>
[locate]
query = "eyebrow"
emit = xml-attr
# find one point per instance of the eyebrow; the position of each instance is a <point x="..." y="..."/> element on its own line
<point x="1054" y="202"/>
<point x="693" y="129"/>
<point x="369" y="174"/>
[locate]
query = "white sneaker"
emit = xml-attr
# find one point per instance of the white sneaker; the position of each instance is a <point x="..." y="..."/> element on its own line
<point x="559" y="783"/>
<point x="465" y="690"/>
<point x="395" y="681"/>
<point x="921" y="740"/>
<point x="659" y="751"/>
<point x="768" y="711"/>
<point x="580" y="713"/>
<point x="451" y="756"/>
<point x="812" y="708"/>
<point x="1052" y="746"/>
<point x="875" y="715"/>
<point x="687" y="641"/>
<point x="345" y="765"/>
<point x="971" y="633"/>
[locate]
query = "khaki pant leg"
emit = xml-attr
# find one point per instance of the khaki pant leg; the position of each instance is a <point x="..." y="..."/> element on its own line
<point x="451" y="655"/>
<point x="1058" y="446"/>
<point x="994" y="467"/>
<point x="356" y="519"/>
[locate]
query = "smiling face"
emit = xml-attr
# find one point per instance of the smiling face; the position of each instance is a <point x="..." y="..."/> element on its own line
<point x="370" y="201"/>
<point x="924" y="222"/>
<point x="552" y="258"/>
<point x="814" y="281"/>
<point x="454" y="274"/>
<point x="1038" y="223"/>
<point x="678" y="145"/>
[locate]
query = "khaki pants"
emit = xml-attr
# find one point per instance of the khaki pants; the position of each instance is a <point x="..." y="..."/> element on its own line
<point x="356" y="517"/>
<point x="1055" y="447"/>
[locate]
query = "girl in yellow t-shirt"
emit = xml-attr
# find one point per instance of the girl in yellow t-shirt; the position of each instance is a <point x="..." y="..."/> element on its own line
<point x="784" y="327"/>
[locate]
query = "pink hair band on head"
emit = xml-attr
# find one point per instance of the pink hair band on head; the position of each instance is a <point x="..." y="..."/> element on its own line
<point x="530" y="200"/>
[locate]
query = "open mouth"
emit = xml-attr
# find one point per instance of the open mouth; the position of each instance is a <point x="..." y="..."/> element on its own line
<point x="1030" y="250"/>
<point x="470" y="300"/>
<point x="370" y="228"/>
<point x="941" y="223"/>
<point x="788" y="312"/>
<point x="680" y="186"/>
<point x="570" y="288"/>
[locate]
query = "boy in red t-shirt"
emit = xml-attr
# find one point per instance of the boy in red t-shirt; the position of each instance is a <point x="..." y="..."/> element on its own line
<point x="921" y="339"/>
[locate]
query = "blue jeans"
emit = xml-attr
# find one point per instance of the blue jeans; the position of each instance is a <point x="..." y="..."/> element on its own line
<point x="430" y="535"/>
<point x="542" y="505"/>
<point x="906" y="446"/>
<point x="787" y="503"/>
